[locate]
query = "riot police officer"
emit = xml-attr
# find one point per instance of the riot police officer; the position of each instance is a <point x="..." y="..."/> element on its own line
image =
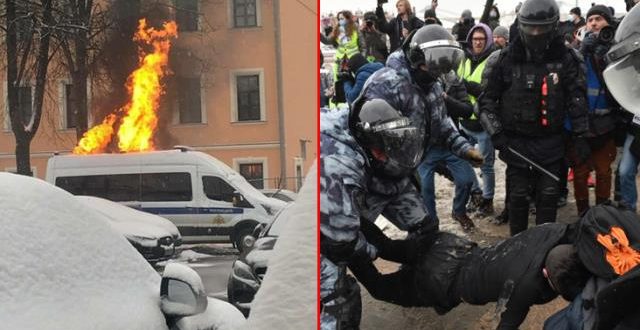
<point x="368" y="157"/>
<point x="532" y="86"/>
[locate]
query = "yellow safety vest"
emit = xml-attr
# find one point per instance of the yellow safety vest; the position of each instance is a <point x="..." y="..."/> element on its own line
<point x="464" y="72"/>
<point x="348" y="48"/>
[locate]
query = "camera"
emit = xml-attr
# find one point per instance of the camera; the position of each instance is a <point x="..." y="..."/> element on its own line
<point x="369" y="23"/>
<point x="380" y="2"/>
<point x="606" y="34"/>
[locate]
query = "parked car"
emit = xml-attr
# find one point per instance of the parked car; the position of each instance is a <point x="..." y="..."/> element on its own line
<point x="206" y="199"/>
<point x="68" y="268"/>
<point x="281" y="194"/>
<point x="248" y="271"/>
<point x="155" y="237"/>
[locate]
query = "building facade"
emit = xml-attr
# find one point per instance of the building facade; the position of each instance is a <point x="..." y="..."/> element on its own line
<point x="243" y="89"/>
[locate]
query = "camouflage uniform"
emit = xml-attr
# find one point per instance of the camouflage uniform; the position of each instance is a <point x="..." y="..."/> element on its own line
<point x="349" y="190"/>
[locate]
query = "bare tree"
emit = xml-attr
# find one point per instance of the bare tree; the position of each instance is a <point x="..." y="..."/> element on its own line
<point x="31" y="51"/>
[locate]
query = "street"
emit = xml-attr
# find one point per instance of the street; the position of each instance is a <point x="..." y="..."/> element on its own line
<point x="212" y="262"/>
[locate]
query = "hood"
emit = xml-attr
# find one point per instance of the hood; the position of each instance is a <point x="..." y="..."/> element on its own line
<point x="371" y="67"/>
<point x="131" y="223"/>
<point x="488" y="46"/>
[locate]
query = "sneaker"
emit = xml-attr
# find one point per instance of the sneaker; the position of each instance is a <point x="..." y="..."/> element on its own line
<point x="562" y="201"/>
<point x="464" y="220"/>
<point x="486" y="207"/>
<point x="474" y="201"/>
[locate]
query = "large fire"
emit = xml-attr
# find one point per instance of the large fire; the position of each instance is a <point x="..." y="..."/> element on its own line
<point x="135" y="132"/>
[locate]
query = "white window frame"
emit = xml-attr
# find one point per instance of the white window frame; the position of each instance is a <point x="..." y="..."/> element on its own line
<point x="254" y="160"/>
<point x="232" y="18"/>
<point x="203" y="105"/>
<point x="233" y="82"/>
<point x="6" y="125"/>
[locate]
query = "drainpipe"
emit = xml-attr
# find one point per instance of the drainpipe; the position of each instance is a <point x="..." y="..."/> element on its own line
<point x="281" y="131"/>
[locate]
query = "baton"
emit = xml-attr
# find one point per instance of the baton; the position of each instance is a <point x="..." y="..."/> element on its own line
<point x="534" y="164"/>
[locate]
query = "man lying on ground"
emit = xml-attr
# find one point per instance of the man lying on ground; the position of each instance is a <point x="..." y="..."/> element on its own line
<point x="530" y="268"/>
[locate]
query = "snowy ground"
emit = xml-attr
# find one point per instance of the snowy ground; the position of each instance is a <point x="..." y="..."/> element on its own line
<point x="381" y="315"/>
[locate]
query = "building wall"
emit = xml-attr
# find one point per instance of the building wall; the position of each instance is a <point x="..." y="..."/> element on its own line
<point x="215" y="53"/>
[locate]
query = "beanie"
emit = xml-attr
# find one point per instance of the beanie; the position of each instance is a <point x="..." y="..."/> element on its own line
<point x="356" y="62"/>
<point x="501" y="31"/>
<point x="600" y="10"/>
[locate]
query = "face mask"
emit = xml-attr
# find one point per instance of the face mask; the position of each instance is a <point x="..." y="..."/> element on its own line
<point x="493" y="14"/>
<point x="424" y="79"/>
<point x="343" y="22"/>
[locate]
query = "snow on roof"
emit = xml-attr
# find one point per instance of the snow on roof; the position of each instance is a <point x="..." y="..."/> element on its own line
<point x="287" y="297"/>
<point x="129" y="221"/>
<point x="62" y="269"/>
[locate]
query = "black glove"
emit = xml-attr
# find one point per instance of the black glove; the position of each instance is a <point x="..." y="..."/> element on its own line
<point x="344" y="76"/>
<point x="582" y="149"/>
<point x="337" y="252"/>
<point x="500" y="141"/>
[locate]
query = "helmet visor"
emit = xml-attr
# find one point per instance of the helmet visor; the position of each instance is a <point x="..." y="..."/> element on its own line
<point x="535" y="30"/>
<point x="441" y="60"/>
<point x="623" y="81"/>
<point x="403" y="147"/>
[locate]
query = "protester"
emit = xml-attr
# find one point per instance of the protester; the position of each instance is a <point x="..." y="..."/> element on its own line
<point x="461" y="29"/>
<point x="494" y="17"/>
<point x="375" y="41"/>
<point x="500" y="37"/>
<point x="359" y="71"/>
<point x="479" y="47"/>
<point x="602" y="116"/>
<point x="399" y="27"/>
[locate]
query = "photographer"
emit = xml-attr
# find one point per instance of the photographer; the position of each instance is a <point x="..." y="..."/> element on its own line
<point x="399" y="27"/>
<point x="374" y="40"/>
<point x="602" y="113"/>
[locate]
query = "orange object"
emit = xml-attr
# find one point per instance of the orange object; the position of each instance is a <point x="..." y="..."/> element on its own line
<point x="543" y="103"/>
<point x="619" y="254"/>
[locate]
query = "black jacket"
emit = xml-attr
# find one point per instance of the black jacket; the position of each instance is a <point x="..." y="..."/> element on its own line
<point x="544" y="149"/>
<point x="454" y="269"/>
<point x="394" y="27"/>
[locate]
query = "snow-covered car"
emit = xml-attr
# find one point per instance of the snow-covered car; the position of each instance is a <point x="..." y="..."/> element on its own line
<point x="67" y="268"/>
<point x="248" y="271"/>
<point x="281" y="194"/>
<point x="155" y="237"/>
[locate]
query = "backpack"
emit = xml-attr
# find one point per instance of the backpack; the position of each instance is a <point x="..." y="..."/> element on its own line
<point x="608" y="241"/>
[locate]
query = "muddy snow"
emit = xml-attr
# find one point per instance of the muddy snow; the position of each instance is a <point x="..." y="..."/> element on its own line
<point x="382" y="315"/>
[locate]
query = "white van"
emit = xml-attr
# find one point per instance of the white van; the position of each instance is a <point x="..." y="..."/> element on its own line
<point x="206" y="199"/>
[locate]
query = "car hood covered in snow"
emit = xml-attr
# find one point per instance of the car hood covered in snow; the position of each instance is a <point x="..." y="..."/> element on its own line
<point x="62" y="268"/>
<point x="129" y="221"/>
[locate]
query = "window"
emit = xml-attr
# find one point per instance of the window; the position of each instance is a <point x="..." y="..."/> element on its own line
<point x="160" y="187"/>
<point x="119" y="188"/>
<point x="217" y="189"/>
<point x="186" y="15"/>
<point x="248" y="97"/>
<point x="253" y="173"/>
<point x="152" y="187"/>
<point x="244" y="13"/>
<point x="70" y="115"/>
<point x="189" y="105"/>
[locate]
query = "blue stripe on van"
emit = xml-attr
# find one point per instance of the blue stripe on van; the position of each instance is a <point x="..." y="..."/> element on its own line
<point x="193" y="210"/>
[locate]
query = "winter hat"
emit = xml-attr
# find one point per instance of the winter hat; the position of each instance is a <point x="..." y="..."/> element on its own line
<point x="356" y="62"/>
<point x="600" y="10"/>
<point x="501" y="31"/>
<point x="576" y="10"/>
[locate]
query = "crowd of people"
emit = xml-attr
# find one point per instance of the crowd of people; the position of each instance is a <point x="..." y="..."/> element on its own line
<point x="554" y="99"/>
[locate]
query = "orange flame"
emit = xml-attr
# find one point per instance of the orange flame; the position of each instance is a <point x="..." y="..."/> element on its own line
<point x="144" y="86"/>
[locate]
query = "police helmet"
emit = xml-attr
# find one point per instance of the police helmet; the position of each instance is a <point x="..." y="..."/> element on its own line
<point x="394" y="145"/>
<point x="538" y="23"/>
<point x="622" y="75"/>
<point x="434" y="47"/>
